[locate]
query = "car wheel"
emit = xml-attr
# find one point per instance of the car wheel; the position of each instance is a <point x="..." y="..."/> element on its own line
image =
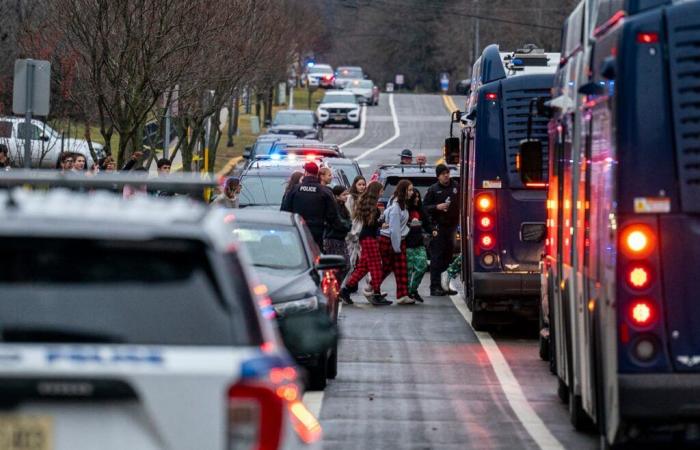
<point x="318" y="374"/>
<point x="332" y="370"/>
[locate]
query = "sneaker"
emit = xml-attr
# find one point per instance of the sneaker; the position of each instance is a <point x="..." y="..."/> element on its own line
<point x="345" y="296"/>
<point x="368" y="292"/>
<point x="378" y="300"/>
<point x="406" y="301"/>
<point x="417" y="297"/>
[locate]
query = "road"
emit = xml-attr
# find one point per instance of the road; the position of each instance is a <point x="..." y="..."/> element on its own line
<point x="418" y="376"/>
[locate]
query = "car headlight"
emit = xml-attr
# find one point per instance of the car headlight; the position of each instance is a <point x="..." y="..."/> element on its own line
<point x="296" y="306"/>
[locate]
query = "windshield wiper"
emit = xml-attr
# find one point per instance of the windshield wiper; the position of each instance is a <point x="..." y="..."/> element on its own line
<point x="56" y="335"/>
<point x="272" y="266"/>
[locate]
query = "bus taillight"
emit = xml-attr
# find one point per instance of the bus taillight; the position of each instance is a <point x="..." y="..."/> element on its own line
<point x="639" y="276"/>
<point x="485" y="203"/>
<point x="485" y="223"/>
<point x="487" y="242"/>
<point x="642" y="313"/>
<point x="637" y="241"/>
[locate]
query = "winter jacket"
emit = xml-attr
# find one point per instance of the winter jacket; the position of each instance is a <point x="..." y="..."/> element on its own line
<point x="316" y="204"/>
<point x="418" y="223"/>
<point x="397" y="219"/>
<point x="438" y="194"/>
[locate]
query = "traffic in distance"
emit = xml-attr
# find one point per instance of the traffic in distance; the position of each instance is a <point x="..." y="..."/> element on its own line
<point x="357" y="277"/>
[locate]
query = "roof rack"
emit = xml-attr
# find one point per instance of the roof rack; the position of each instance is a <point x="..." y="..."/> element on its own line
<point x="177" y="183"/>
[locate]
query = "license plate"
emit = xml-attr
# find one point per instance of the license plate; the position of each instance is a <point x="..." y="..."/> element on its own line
<point x="337" y="116"/>
<point x="26" y="432"/>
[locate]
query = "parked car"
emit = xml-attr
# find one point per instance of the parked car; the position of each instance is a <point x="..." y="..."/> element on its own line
<point x="345" y="74"/>
<point x="138" y="324"/>
<point x="365" y="91"/>
<point x="339" y="107"/>
<point x="46" y="143"/>
<point x="300" y="281"/>
<point x="320" y="75"/>
<point x="265" y="180"/>
<point x="302" y="124"/>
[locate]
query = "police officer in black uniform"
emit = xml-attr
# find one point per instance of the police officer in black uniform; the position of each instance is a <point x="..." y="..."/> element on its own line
<point x="442" y="202"/>
<point x="315" y="203"/>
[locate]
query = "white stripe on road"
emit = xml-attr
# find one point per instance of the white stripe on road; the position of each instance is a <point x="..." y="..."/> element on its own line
<point x="363" y="122"/>
<point x="397" y="131"/>
<point x="514" y="392"/>
<point x="313" y="401"/>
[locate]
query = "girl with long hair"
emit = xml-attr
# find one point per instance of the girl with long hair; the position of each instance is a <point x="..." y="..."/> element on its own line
<point x="294" y="179"/>
<point x="368" y="214"/>
<point x="416" y="254"/>
<point x="359" y="185"/>
<point x="392" y="241"/>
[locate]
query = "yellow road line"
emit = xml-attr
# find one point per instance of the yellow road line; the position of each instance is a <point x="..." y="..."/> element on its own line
<point x="228" y="168"/>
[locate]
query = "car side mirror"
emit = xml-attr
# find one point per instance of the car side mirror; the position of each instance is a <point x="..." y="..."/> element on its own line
<point x="531" y="160"/>
<point x="247" y="152"/>
<point x="451" y="152"/>
<point x="330" y="262"/>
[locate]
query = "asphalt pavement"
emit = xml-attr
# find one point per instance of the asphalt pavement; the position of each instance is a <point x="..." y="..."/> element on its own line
<point x="418" y="376"/>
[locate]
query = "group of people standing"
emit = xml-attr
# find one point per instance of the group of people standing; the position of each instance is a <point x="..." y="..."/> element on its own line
<point x="379" y="240"/>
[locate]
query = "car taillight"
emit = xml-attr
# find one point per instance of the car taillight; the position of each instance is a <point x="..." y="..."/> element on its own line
<point x="642" y="313"/>
<point x="637" y="241"/>
<point x="257" y="408"/>
<point x="255" y="414"/>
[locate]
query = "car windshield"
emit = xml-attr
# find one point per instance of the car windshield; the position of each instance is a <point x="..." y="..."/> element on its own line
<point x="339" y="98"/>
<point x="320" y="70"/>
<point x="159" y="292"/>
<point x="351" y="171"/>
<point x="263" y="147"/>
<point x="272" y="246"/>
<point x="262" y="190"/>
<point x="295" y="118"/>
<point x="349" y="72"/>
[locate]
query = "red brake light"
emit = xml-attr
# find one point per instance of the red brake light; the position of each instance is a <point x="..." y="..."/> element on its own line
<point x="637" y="241"/>
<point x="491" y="96"/>
<point x="487" y="241"/>
<point x="647" y="38"/>
<point x="254" y="416"/>
<point x="485" y="203"/>
<point x="486" y="223"/>
<point x="639" y="276"/>
<point x="642" y="312"/>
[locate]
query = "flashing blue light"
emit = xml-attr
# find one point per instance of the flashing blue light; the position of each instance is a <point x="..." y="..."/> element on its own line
<point x="310" y="64"/>
<point x="517" y="62"/>
<point x="275" y="156"/>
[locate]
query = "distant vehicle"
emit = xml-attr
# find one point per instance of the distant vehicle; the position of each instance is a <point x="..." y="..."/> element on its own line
<point x="302" y="124"/>
<point x="339" y="107"/>
<point x="309" y="149"/>
<point x="345" y="74"/>
<point x="265" y="143"/>
<point x="504" y="216"/>
<point x="120" y="313"/>
<point x="619" y="275"/>
<point x="301" y="282"/>
<point x="46" y="143"/>
<point x="265" y="180"/>
<point x="365" y="91"/>
<point x="320" y="75"/>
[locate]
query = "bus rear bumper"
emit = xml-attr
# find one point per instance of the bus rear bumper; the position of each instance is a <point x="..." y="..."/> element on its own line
<point x="506" y="285"/>
<point x="662" y="397"/>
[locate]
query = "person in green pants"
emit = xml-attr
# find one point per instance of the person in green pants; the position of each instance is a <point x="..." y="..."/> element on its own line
<point x="416" y="254"/>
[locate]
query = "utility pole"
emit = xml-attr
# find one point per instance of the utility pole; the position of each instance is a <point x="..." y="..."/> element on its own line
<point x="233" y="106"/>
<point x="28" y="116"/>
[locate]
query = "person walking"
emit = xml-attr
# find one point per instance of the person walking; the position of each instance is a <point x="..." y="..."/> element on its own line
<point x="442" y="205"/>
<point x="370" y="261"/>
<point x="229" y="196"/>
<point x="392" y="241"/>
<point x="325" y="176"/>
<point x="334" y="240"/>
<point x="359" y="184"/>
<point x="353" y="240"/>
<point x="416" y="254"/>
<point x="294" y="179"/>
<point x="315" y="203"/>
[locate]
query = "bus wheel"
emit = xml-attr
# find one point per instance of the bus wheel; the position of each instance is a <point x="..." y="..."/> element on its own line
<point x="577" y="415"/>
<point x="563" y="391"/>
<point x="479" y="322"/>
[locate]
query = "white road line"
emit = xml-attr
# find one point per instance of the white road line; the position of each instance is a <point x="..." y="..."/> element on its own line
<point x="514" y="392"/>
<point x="397" y="131"/>
<point x="363" y="124"/>
<point x="313" y="401"/>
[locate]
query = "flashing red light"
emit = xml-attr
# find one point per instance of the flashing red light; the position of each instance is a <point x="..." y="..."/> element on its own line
<point x="487" y="241"/>
<point x="638" y="277"/>
<point x="642" y="312"/>
<point x="491" y="96"/>
<point x="647" y="38"/>
<point x="328" y="77"/>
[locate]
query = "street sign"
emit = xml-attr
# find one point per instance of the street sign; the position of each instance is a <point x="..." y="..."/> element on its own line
<point x="32" y="87"/>
<point x="399" y="79"/>
<point x="444" y="82"/>
<point x="390" y="87"/>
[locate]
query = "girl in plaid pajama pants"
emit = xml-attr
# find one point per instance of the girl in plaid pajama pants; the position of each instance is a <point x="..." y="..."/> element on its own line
<point x="392" y="242"/>
<point x="370" y="261"/>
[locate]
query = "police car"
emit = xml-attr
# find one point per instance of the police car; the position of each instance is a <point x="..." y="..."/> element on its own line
<point x="136" y="324"/>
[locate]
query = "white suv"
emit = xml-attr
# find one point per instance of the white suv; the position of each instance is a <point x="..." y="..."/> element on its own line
<point x="46" y="143"/>
<point x="339" y="107"/>
<point x="137" y="324"/>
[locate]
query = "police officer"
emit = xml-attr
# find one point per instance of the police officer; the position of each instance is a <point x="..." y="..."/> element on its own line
<point x="406" y="156"/>
<point x="442" y="204"/>
<point x="315" y="203"/>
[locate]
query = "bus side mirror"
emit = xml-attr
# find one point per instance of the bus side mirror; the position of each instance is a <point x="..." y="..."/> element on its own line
<point x="531" y="160"/>
<point x="451" y="152"/>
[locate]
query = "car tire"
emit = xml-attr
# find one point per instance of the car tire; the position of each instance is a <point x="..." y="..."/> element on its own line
<point x="332" y="370"/>
<point x="318" y="374"/>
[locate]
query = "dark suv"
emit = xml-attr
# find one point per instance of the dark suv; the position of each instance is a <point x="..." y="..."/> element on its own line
<point x="422" y="177"/>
